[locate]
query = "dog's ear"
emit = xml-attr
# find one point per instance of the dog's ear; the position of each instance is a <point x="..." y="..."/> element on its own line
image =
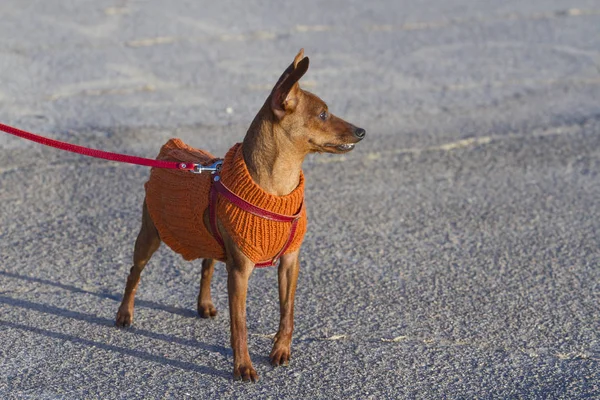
<point x="284" y="94"/>
<point x="298" y="57"/>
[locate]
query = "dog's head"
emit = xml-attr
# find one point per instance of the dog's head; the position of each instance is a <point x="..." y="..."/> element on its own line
<point x="305" y="118"/>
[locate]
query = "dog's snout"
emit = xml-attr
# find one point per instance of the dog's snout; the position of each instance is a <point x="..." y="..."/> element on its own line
<point x="359" y="133"/>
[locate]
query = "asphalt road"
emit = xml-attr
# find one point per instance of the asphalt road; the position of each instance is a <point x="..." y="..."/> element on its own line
<point x="453" y="254"/>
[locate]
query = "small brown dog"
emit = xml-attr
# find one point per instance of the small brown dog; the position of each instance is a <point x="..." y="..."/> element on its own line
<point x="258" y="216"/>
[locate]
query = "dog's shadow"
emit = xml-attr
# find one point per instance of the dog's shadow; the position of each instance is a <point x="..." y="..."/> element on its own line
<point x="142" y="303"/>
<point x="61" y="312"/>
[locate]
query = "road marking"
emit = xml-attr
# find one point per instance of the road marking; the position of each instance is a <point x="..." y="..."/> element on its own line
<point x="314" y="28"/>
<point x="225" y="37"/>
<point x="116" y="10"/>
<point x="101" y="92"/>
<point x="409" y="26"/>
<point x="522" y="82"/>
<point x="421" y="25"/>
<point x="152" y="41"/>
<point x="461" y="144"/>
<point x="240" y="37"/>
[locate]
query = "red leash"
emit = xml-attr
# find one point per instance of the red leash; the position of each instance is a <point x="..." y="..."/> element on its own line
<point x="217" y="187"/>
<point x="86" y="151"/>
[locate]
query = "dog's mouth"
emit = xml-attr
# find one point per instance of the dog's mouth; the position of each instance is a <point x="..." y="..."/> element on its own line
<point x="342" y="148"/>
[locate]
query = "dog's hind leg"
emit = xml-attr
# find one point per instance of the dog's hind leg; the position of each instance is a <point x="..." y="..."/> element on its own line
<point x="206" y="308"/>
<point x="146" y="244"/>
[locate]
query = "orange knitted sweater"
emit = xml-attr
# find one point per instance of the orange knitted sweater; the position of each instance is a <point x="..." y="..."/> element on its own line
<point x="177" y="200"/>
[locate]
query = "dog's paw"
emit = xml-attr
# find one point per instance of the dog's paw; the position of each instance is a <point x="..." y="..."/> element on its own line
<point x="124" y="319"/>
<point x="246" y="373"/>
<point x="280" y="355"/>
<point x="207" y="310"/>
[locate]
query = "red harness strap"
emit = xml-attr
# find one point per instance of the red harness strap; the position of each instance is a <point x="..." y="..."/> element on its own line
<point x="218" y="187"/>
<point x="86" y="151"/>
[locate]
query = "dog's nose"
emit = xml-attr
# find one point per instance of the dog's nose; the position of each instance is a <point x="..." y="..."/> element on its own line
<point x="359" y="133"/>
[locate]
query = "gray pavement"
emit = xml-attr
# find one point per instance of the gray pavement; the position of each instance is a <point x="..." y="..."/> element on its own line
<point x="453" y="254"/>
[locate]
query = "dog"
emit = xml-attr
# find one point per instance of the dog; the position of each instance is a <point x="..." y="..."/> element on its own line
<point x="249" y="213"/>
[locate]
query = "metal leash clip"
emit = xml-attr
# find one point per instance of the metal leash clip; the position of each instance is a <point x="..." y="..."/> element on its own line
<point x="212" y="168"/>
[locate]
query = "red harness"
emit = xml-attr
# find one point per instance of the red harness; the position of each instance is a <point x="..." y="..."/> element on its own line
<point x="217" y="186"/>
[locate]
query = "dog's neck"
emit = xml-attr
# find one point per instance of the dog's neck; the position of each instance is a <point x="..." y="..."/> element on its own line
<point x="272" y="159"/>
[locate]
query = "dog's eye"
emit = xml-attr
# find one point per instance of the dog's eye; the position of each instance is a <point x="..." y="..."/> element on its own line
<point x="323" y="115"/>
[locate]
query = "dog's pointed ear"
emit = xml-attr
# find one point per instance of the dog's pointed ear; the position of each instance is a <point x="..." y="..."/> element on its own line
<point x="284" y="94"/>
<point x="298" y="57"/>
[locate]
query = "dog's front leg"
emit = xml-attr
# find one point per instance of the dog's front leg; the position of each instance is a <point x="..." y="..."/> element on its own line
<point x="239" y="269"/>
<point x="288" y="277"/>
